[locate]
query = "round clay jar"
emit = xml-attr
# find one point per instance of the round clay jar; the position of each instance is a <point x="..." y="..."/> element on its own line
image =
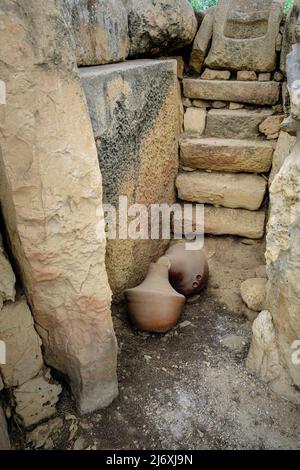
<point x="189" y="270"/>
<point x="154" y="305"/>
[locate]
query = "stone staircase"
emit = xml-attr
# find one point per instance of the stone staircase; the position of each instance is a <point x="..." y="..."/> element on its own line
<point x="226" y="151"/>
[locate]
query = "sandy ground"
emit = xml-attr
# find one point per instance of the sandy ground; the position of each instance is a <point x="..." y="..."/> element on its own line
<point x="189" y="389"/>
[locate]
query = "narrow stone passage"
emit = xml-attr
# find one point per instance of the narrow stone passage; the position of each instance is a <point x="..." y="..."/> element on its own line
<point x="189" y="388"/>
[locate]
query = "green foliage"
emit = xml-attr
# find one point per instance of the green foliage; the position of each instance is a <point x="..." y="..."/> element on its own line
<point x="203" y="4"/>
<point x="288" y="5"/>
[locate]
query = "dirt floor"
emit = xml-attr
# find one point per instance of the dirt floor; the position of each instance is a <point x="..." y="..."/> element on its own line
<point x="189" y="389"/>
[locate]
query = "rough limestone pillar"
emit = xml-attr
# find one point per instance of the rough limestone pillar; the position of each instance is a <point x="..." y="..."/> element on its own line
<point x="275" y="350"/>
<point x="50" y="191"/>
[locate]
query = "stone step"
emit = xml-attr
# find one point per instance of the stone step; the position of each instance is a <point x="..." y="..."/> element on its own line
<point x="235" y="124"/>
<point x="207" y="153"/>
<point x="241" y="190"/>
<point x="224" y="221"/>
<point x="259" y="93"/>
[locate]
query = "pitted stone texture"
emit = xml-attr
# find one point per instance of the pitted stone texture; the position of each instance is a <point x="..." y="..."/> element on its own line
<point x="23" y="345"/>
<point x="4" y="438"/>
<point x="239" y="222"/>
<point x="35" y="400"/>
<point x="7" y="279"/>
<point x="282" y="256"/>
<point x="264" y="358"/>
<point x="289" y="37"/>
<point x="235" y="124"/>
<point x="50" y="198"/>
<point x="201" y="43"/>
<point x="253" y="292"/>
<point x="245" y="34"/>
<point x="100" y="30"/>
<point x="134" y="113"/>
<point x="260" y="93"/>
<point x="160" y="26"/>
<point x="232" y="155"/>
<point x="229" y="190"/>
<point x="271" y="126"/>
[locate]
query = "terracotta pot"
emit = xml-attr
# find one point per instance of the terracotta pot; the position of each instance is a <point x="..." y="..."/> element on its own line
<point x="154" y="305"/>
<point x="189" y="269"/>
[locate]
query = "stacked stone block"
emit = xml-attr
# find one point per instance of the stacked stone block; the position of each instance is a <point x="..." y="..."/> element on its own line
<point x="232" y="115"/>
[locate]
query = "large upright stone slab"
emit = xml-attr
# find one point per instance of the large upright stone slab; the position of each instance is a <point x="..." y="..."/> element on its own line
<point x="50" y="193"/>
<point x="244" y="35"/>
<point x="258" y="93"/>
<point x="134" y="112"/>
<point x="280" y="350"/>
<point x="282" y="255"/>
<point x="223" y="189"/>
<point x="160" y="26"/>
<point x="100" y="30"/>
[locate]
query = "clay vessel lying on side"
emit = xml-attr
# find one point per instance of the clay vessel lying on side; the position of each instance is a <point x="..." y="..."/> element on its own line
<point x="154" y="305"/>
<point x="189" y="269"/>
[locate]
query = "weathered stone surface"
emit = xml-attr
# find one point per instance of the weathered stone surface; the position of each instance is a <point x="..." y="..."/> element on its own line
<point x="224" y="221"/>
<point x="261" y="93"/>
<point x="234" y="191"/>
<point x="261" y="271"/>
<point x="4" y="438"/>
<point x="163" y="25"/>
<point x="289" y="37"/>
<point x="239" y="124"/>
<point x="23" y="345"/>
<point x="253" y="292"/>
<point x="36" y="399"/>
<point x="7" y="279"/>
<point x="231" y="155"/>
<point x="264" y="77"/>
<point x="43" y="435"/>
<point x="218" y="104"/>
<point x="271" y="126"/>
<point x="180" y="64"/>
<point x="293" y="88"/>
<point x="278" y="42"/>
<point x="201" y="104"/>
<point x="245" y="34"/>
<point x="278" y="76"/>
<point x="134" y="113"/>
<point x="239" y="222"/>
<point x="246" y="75"/>
<point x="195" y="120"/>
<point x="50" y="197"/>
<point x="187" y="103"/>
<point x="283" y="148"/>
<point x="209" y="74"/>
<point x="282" y="256"/>
<point x="100" y="30"/>
<point x="201" y="43"/>
<point x="264" y="358"/>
